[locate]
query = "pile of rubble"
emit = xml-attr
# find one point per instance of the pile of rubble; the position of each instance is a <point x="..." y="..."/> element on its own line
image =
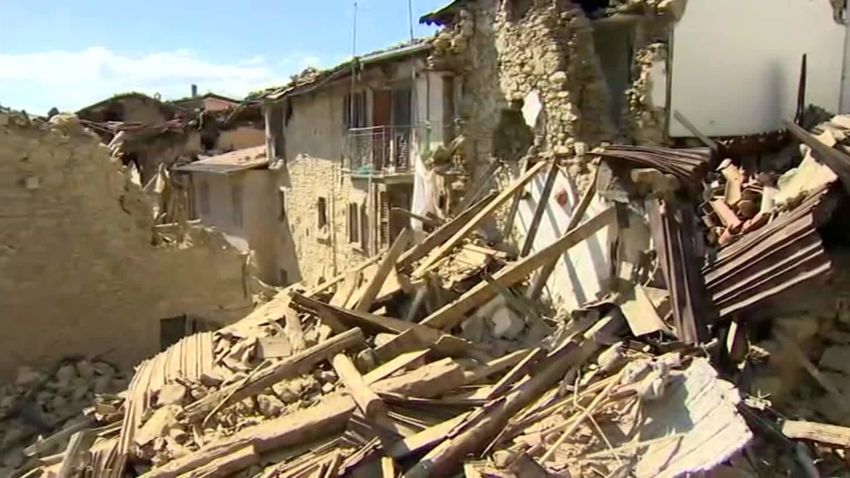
<point x="43" y="400"/>
<point x="437" y="356"/>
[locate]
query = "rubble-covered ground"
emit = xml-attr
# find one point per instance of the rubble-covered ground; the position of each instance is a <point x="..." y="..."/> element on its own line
<point x="721" y="351"/>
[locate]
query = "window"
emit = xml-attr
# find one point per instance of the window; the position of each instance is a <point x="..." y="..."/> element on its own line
<point x="354" y="110"/>
<point x="364" y="229"/>
<point x="353" y="223"/>
<point x="281" y="203"/>
<point x="236" y="197"/>
<point x="204" y="197"/>
<point x="322" y="206"/>
<point x="283" y="276"/>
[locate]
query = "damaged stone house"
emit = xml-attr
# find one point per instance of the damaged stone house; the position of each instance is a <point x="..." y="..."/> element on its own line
<point x="145" y="132"/>
<point x="226" y="124"/>
<point x="239" y="194"/>
<point x="548" y="79"/>
<point x="347" y="140"/>
<point x="83" y="271"/>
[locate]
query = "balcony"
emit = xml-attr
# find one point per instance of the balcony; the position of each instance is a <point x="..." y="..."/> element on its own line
<point x="379" y="150"/>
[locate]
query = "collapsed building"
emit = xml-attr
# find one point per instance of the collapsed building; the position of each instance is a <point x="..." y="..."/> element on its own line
<point x="585" y="282"/>
<point x="147" y="134"/>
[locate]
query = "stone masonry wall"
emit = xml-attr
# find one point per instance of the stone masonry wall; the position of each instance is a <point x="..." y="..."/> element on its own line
<point x="314" y="148"/>
<point x="79" y="274"/>
<point x="511" y="54"/>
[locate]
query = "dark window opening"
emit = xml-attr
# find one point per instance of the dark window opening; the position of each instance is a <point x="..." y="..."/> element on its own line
<point x="322" y="207"/>
<point x="354" y="110"/>
<point x="353" y="223"/>
<point x="364" y="229"/>
<point x="519" y="9"/>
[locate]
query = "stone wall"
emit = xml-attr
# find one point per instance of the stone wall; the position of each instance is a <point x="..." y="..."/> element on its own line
<point x="314" y="151"/>
<point x="79" y="271"/>
<point x="512" y="54"/>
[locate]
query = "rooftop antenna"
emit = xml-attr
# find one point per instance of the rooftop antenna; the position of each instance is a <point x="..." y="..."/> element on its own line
<point x="410" y="17"/>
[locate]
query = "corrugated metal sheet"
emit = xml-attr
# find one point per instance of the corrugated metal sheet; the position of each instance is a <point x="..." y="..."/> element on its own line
<point x="768" y="261"/>
<point x="688" y="165"/>
<point x="673" y="231"/>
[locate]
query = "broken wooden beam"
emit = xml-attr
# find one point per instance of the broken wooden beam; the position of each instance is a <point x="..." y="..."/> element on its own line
<point x="366" y="399"/>
<point x="540" y="279"/>
<point x="376" y="282"/>
<point x="290" y="367"/>
<point x="427" y="437"/>
<point x="516" y="373"/>
<point x="480" y="429"/>
<point x="428" y="381"/>
<point x="454" y="313"/>
<point x="328" y="417"/>
<point x="469" y="226"/>
<point x="820" y="432"/>
<point x="226" y="465"/>
<point x="542" y="204"/>
<point x="398" y="363"/>
<point x="428" y="221"/>
<point x="443" y="233"/>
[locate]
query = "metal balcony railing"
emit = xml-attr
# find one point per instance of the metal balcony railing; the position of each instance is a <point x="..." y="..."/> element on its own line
<point x="379" y="149"/>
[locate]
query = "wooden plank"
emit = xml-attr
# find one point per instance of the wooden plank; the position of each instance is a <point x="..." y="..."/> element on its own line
<point x="366" y="399"/>
<point x="387" y="467"/>
<point x="324" y="286"/>
<point x="428" y="381"/>
<point x="453" y="313"/>
<point x="388" y="263"/>
<point x="346" y="288"/>
<point x="428" y="221"/>
<point x="445" y="231"/>
<point x="480" y="429"/>
<point x="398" y="363"/>
<point x="328" y="417"/>
<point x="495" y="366"/>
<point x="510" y="219"/>
<point x="516" y="373"/>
<point x="542" y="203"/>
<point x="226" y="465"/>
<point x="820" y="432"/>
<point x="539" y="281"/>
<point x="474" y="222"/>
<point x="427" y="437"/>
<point x="353" y="318"/>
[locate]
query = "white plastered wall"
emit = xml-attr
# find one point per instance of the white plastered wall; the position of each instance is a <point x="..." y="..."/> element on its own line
<point x="736" y="63"/>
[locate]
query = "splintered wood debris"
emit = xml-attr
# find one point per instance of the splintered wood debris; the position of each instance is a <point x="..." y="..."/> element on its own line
<point x="437" y="358"/>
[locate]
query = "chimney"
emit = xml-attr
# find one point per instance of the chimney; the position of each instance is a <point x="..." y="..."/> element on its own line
<point x="194" y="90"/>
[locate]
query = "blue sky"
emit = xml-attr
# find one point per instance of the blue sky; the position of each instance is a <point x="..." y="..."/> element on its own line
<point x="70" y="54"/>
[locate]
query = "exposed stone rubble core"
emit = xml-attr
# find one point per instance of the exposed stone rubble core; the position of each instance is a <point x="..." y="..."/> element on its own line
<point x="645" y="120"/>
<point x="80" y="273"/>
<point x="516" y="57"/>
